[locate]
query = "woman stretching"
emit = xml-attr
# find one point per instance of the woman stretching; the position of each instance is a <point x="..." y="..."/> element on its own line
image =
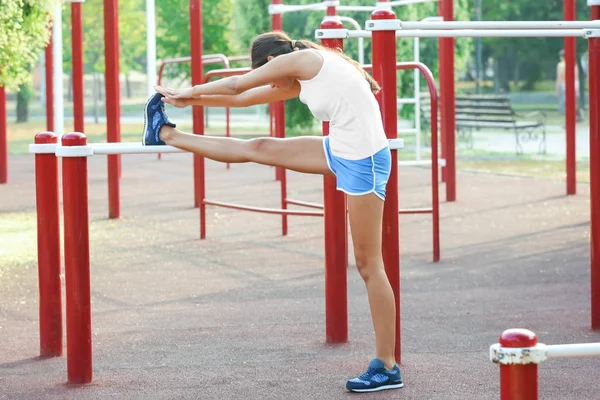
<point x="338" y="90"/>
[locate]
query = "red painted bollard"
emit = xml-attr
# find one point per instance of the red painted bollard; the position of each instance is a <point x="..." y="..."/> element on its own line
<point x="518" y="358"/>
<point x="48" y="244"/>
<point x="77" y="258"/>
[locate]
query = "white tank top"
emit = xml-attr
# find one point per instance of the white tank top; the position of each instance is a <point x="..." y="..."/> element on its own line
<point x="341" y="95"/>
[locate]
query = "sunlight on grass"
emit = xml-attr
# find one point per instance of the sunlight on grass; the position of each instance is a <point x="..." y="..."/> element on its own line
<point x="17" y="240"/>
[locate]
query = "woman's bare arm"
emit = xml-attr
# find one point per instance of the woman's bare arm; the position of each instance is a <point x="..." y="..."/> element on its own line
<point x="259" y="95"/>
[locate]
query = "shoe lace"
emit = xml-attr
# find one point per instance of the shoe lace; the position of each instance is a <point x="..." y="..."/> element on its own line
<point x="367" y="375"/>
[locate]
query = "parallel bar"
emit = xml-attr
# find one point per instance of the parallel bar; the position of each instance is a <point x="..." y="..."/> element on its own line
<point x="502" y="25"/>
<point x="491" y="33"/>
<point x="336" y="238"/>
<point x="263" y="209"/>
<point x="198" y="111"/>
<point x="594" y="115"/>
<point x="77" y="263"/>
<point x="57" y="72"/>
<point x="77" y="60"/>
<point x="477" y="33"/>
<point x="133" y="148"/>
<point x="384" y="71"/>
<point x="304" y="204"/>
<point x="113" y="105"/>
<point x="448" y="102"/>
<point x="573" y="350"/>
<point x="571" y="102"/>
<point x="49" y="62"/>
<point x="416" y="211"/>
<point x="48" y="248"/>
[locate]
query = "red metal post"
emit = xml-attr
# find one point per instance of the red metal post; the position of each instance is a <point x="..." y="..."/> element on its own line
<point x="49" y="85"/>
<point x="448" y="108"/>
<point x="3" y="137"/>
<point x="336" y="239"/>
<point x="77" y="263"/>
<point x="331" y="11"/>
<point x="77" y="59"/>
<point x="594" y="92"/>
<point x="48" y="244"/>
<point x="571" y="101"/>
<point x="113" y="101"/>
<point x="279" y="125"/>
<point x="517" y="381"/>
<point x="384" y="71"/>
<point x="278" y="107"/>
<point x="197" y="111"/>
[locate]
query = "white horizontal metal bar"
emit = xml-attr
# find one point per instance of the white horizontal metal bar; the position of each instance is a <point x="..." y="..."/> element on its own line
<point x="356" y="8"/>
<point x="396" y="144"/>
<point x="406" y="101"/>
<point x="402" y="3"/>
<point x="358" y="34"/>
<point x="503" y="25"/>
<point x="408" y="130"/>
<point x="132" y="148"/>
<point x="492" y="33"/>
<point x="42" y="148"/>
<point x="573" y="350"/>
<point x="411" y="163"/>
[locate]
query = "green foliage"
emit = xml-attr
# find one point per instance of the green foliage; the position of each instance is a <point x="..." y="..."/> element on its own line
<point x="527" y="59"/>
<point x="173" y="31"/>
<point x="132" y="36"/>
<point x="24" y="32"/>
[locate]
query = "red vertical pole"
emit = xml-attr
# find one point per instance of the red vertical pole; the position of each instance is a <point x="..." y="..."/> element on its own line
<point x="336" y="238"/>
<point x="113" y="102"/>
<point x="279" y="106"/>
<point x="518" y="381"/>
<point x="384" y="71"/>
<point x="3" y="137"/>
<point x="198" y="111"/>
<point x="279" y="124"/>
<point x="77" y="59"/>
<point x="77" y="263"/>
<point x="331" y="11"/>
<point x="48" y="244"/>
<point x="448" y="107"/>
<point x="594" y="92"/>
<point x="49" y="61"/>
<point x="571" y="101"/>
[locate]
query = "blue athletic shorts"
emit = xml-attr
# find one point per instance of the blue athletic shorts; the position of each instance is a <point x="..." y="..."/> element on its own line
<point x="358" y="177"/>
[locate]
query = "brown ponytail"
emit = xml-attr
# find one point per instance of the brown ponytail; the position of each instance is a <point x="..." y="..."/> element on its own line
<point x="277" y="43"/>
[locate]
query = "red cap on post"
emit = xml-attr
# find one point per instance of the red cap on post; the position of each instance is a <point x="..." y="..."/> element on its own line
<point x="518" y="338"/>
<point x="332" y="23"/>
<point x="74" y="139"/>
<point x="383" y="14"/>
<point x="45" y="138"/>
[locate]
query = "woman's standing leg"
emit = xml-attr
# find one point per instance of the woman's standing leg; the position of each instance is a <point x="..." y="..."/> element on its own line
<point x="366" y="214"/>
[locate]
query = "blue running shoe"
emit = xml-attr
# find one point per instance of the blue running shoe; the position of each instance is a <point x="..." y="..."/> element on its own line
<point x="154" y="118"/>
<point x="376" y="378"/>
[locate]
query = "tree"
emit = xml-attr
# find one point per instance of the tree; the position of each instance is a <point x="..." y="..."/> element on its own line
<point x="24" y="32"/>
<point x="173" y="31"/>
<point x="527" y="60"/>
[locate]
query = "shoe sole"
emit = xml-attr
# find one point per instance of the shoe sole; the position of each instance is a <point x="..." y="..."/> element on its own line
<point x="377" y="389"/>
<point x="145" y="120"/>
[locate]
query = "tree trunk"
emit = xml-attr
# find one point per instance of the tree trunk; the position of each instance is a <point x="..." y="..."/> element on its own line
<point x="23" y="97"/>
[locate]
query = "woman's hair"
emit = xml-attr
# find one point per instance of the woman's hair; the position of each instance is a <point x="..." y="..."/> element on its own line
<point x="277" y="43"/>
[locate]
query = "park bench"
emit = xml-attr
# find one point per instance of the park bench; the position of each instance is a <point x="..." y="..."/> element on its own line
<point x="475" y="112"/>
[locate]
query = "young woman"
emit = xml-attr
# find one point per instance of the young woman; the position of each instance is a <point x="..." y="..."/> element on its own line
<point x="338" y="90"/>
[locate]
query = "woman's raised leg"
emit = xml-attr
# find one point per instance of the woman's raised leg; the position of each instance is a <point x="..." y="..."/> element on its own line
<point x="301" y="154"/>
